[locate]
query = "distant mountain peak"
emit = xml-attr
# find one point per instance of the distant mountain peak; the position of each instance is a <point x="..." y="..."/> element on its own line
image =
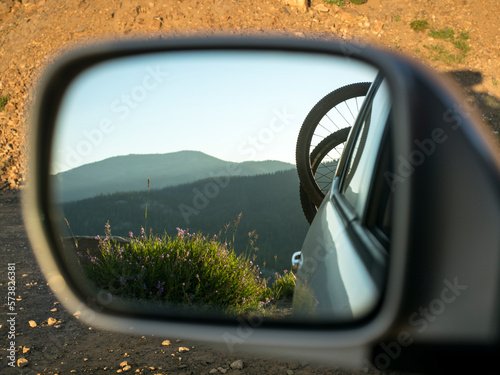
<point x="130" y="172"/>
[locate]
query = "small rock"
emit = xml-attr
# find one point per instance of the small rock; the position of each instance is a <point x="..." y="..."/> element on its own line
<point x="349" y="14"/>
<point x="213" y="371"/>
<point x="4" y="8"/>
<point x="51" y="321"/>
<point x="25" y="349"/>
<point x="289" y="372"/>
<point x="300" y="4"/>
<point x="237" y="365"/>
<point x="32" y="323"/>
<point x="166" y="343"/>
<point x="156" y="25"/>
<point x="183" y="366"/>
<point x="22" y="362"/>
<point x="10" y="107"/>
<point x="322" y="8"/>
<point x="81" y="29"/>
<point x="183" y="349"/>
<point x="127" y="368"/>
<point x="378" y="26"/>
<point x="123" y="364"/>
<point x="222" y="370"/>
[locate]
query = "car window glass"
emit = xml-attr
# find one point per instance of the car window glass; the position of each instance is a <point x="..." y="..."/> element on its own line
<point x="361" y="165"/>
<point x="379" y="213"/>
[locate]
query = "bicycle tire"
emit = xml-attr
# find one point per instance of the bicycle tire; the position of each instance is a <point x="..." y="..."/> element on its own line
<point x="319" y="153"/>
<point x="310" y="124"/>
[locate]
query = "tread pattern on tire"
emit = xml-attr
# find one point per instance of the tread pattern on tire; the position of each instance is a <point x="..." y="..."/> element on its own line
<point x="317" y="156"/>
<point x="316" y="114"/>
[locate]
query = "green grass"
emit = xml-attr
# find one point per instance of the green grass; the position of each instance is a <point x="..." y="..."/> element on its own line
<point x="341" y="3"/>
<point x="461" y="45"/>
<point x="445" y="33"/>
<point x="397" y="18"/>
<point x="440" y="53"/>
<point x="3" y="102"/>
<point x="419" y="25"/>
<point x="186" y="269"/>
<point x="494" y="81"/>
<point x="459" y="41"/>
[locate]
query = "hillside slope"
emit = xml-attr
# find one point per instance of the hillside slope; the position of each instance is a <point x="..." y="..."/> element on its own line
<point x="132" y="172"/>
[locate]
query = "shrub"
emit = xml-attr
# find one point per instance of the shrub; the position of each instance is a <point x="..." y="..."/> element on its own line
<point x="283" y="285"/>
<point x="419" y="25"/>
<point x="3" y="102"/>
<point x="339" y="3"/>
<point x="444" y="33"/>
<point x="187" y="269"/>
<point x="344" y="2"/>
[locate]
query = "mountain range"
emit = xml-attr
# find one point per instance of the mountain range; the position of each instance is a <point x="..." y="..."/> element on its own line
<point x="131" y="173"/>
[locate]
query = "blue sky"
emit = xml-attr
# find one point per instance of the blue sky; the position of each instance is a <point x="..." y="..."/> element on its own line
<point x="236" y="106"/>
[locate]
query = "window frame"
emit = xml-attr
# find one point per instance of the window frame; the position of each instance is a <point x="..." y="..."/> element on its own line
<point x="372" y="245"/>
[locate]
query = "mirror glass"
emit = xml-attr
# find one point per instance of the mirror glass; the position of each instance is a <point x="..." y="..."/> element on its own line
<point x="174" y="182"/>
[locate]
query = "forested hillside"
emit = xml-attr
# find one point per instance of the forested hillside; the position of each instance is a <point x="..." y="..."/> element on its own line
<point x="269" y="205"/>
<point x="131" y="173"/>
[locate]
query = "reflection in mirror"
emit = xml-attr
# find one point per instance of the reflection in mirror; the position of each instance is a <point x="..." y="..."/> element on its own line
<point x="173" y="176"/>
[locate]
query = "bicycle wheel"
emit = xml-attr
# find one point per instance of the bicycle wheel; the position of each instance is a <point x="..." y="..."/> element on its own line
<point x="324" y="159"/>
<point x="337" y="110"/>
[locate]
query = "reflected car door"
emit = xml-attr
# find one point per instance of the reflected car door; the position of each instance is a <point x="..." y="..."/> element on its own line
<point x="344" y="257"/>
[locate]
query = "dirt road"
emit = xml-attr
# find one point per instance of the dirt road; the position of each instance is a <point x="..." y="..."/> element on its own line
<point x="54" y="342"/>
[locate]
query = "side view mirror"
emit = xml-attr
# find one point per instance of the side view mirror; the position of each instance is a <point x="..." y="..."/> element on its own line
<point x="173" y="181"/>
